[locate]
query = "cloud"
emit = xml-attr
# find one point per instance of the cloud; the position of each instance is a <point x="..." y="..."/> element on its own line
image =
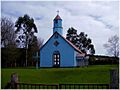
<point x="98" y="19"/>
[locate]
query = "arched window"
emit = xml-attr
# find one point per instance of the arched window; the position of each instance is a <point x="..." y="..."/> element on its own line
<point x="56" y="59"/>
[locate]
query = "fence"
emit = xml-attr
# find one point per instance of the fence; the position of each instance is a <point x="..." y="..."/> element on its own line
<point x="61" y="86"/>
<point x="84" y="86"/>
<point x="36" y="86"/>
<point x="114" y="84"/>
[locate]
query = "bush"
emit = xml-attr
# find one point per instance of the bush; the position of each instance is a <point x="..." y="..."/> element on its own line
<point x="102" y="60"/>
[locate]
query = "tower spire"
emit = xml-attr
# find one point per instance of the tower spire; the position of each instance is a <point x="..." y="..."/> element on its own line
<point x="57" y="25"/>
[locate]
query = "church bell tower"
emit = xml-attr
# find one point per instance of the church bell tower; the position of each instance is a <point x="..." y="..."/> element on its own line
<point x="57" y="27"/>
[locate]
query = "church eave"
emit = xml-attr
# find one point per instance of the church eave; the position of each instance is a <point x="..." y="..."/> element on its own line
<point x="73" y="46"/>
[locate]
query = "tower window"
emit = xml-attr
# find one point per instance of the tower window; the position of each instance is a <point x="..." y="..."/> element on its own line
<point x="56" y="21"/>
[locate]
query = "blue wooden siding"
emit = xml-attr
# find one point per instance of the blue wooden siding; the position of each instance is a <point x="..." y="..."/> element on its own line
<point x="67" y="53"/>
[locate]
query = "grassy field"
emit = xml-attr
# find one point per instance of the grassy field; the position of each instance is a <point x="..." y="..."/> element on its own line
<point x="91" y="74"/>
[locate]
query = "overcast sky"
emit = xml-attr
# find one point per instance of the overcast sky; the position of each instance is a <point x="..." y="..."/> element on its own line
<point x="98" y="19"/>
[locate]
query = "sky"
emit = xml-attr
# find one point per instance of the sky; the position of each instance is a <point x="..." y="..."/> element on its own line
<point x="98" y="19"/>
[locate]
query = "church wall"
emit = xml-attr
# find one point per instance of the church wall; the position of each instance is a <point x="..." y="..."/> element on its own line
<point x="67" y="53"/>
<point x="46" y="55"/>
<point x="67" y="56"/>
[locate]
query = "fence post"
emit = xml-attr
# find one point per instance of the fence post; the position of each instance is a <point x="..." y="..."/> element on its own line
<point x="114" y="79"/>
<point x="60" y="86"/>
<point x="14" y="81"/>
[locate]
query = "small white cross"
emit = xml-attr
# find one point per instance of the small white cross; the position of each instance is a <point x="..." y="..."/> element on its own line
<point x="58" y="12"/>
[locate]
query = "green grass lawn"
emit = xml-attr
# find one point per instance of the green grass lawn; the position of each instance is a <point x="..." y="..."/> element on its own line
<point x="92" y="74"/>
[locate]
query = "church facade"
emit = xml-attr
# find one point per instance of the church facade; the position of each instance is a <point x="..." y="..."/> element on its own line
<point x="59" y="52"/>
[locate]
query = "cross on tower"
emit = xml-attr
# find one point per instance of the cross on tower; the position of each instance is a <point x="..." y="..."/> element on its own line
<point x="57" y="12"/>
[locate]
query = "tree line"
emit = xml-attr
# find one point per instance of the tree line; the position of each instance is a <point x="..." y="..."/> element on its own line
<point x="18" y="41"/>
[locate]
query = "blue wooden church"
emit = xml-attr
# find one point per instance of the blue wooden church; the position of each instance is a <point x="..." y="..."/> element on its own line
<point x="58" y="51"/>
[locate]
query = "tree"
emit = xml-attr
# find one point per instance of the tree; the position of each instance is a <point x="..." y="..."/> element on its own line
<point x="9" y="56"/>
<point x="36" y="44"/>
<point x="8" y="35"/>
<point x="9" y="52"/>
<point x="26" y="28"/>
<point x="34" y="49"/>
<point x="112" y="46"/>
<point x="81" y="41"/>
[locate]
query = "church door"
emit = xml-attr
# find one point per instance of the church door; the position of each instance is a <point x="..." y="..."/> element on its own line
<point x="56" y="59"/>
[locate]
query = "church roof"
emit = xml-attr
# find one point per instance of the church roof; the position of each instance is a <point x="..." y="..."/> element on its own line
<point x="57" y="17"/>
<point x="73" y="46"/>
